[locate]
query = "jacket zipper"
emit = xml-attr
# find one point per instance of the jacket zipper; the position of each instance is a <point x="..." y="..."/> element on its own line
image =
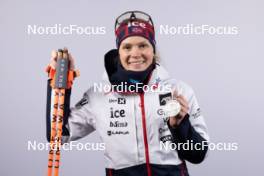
<point x="142" y="106"/>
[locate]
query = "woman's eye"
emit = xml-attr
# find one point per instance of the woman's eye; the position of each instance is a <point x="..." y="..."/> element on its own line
<point x="127" y="47"/>
<point x="142" y="46"/>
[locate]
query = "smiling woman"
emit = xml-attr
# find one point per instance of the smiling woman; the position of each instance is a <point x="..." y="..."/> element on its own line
<point x="136" y="53"/>
<point x="134" y="123"/>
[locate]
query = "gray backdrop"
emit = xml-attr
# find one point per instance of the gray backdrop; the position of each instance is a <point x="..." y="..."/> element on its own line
<point x="226" y="72"/>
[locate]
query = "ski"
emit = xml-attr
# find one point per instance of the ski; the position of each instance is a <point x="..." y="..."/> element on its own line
<point x="59" y="85"/>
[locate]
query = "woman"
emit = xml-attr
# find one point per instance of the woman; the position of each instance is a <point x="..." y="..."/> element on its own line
<point x="138" y="119"/>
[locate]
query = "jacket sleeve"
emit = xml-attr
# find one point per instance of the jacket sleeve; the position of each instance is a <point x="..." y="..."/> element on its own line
<point x="77" y="121"/>
<point x="191" y="130"/>
<point x="82" y="119"/>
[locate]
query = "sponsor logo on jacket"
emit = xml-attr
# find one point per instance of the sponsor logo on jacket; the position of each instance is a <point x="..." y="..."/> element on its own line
<point x="197" y="113"/>
<point x="118" y="100"/>
<point x="163" y="98"/>
<point x="166" y="138"/>
<point x="117" y="113"/>
<point x="118" y="124"/>
<point x="109" y="133"/>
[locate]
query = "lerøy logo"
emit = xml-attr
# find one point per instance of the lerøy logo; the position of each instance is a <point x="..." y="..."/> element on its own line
<point x="112" y="100"/>
<point x="118" y="100"/>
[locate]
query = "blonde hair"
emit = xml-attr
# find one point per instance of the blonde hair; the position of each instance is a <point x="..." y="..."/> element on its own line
<point x="156" y="56"/>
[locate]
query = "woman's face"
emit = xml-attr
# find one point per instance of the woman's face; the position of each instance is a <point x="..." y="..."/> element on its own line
<point x="136" y="53"/>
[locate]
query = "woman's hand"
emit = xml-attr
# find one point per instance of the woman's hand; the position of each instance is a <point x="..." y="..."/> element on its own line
<point x="176" y="120"/>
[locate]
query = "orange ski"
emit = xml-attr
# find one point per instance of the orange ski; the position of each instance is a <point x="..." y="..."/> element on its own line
<point x="59" y="85"/>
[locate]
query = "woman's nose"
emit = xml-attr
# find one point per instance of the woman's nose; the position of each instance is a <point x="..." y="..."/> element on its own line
<point x="135" y="52"/>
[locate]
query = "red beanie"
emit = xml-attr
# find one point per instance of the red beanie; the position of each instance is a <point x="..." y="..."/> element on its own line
<point x="135" y="27"/>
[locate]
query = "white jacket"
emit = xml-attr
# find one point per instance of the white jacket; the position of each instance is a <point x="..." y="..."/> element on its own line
<point x="133" y="126"/>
